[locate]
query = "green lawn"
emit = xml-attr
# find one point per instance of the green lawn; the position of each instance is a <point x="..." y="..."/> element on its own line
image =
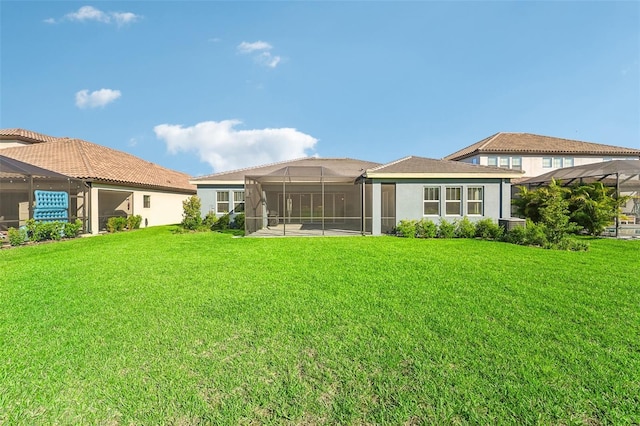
<point x="151" y="327"/>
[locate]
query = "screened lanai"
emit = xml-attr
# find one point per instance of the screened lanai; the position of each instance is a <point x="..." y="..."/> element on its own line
<point x="306" y="200"/>
<point x="623" y="175"/>
<point x="27" y="191"/>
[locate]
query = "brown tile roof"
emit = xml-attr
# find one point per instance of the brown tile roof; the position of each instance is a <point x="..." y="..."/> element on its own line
<point x="86" y="160"/>
<point x="527" y="143"/>
<point x="418" y="165"/>
<point x="25" y="135"/>
<point x="341" y="166"/>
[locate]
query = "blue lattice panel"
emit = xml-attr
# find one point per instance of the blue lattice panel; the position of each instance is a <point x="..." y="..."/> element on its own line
<point x="51" y="200"/>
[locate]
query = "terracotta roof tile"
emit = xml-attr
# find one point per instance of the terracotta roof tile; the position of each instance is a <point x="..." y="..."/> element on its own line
<point x="86" y="160"/>
<point x="26" y="135"/>
<point x="527" y="143"/>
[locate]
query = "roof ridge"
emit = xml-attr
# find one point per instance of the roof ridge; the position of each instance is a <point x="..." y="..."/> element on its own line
<point x="491" y="139"/>
<point x="391" y="163"/>
<point x="83" y="154"/>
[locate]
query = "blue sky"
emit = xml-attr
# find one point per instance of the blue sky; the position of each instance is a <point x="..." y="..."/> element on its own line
<point x="208" y="86"/>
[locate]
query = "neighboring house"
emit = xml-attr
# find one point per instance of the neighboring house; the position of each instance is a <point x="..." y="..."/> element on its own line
<point x="313" y="195"/>
<point x="535" y="154"/>
<point x="119" y="184"/>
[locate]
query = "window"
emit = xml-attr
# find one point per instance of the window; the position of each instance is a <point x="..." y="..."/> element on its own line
<point x="474" y="160"/>
<point x="238" y="201"/>
<point x="223" y="202"/>
<point x="568" y="162"/>
<point x="546" y="162"/>
<point x="146" y="201"/>
<point x="453" y="201"/>
<point x="431" y="200"/>
<point x="504" y="162"/>
<point x="492" y="161"/>
<point x="557" y="162"/>
<point x="474" y="200"/>
<point x="516" y="163"/>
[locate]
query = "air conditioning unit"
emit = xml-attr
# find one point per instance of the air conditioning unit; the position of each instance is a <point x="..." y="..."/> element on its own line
<point x="513" y="222"/>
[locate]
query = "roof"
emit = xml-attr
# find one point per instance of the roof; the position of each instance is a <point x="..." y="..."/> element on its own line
<point x="627" y="170"/>
<point x="26" y="136"/>
<point x="346" y="167"/>
<point x="527" y="143"/>
<point x="11" y="168"/>
<point x="86" y="160"/>
<point x="420" y="167"/>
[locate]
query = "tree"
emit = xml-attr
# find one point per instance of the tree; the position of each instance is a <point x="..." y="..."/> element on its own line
<point x="594" y="207"/>
<point x="191" y="216"/>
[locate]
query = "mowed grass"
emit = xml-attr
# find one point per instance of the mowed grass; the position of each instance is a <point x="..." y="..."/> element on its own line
<point x="151" y="327"/>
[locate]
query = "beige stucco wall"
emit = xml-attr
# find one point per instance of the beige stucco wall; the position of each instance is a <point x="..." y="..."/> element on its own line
<point x="532" y="165"/>
<point x="165" y="208"/>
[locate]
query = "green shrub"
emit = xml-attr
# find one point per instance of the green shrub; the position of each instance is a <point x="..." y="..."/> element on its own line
<point x="133" y="222"/>
<point x="426" y="228"/>
<point x="44" y="231"/>
<point x="487" y="229"/>
<point x="406" y="228"/>
<point x="191" y="216"/>
<point x="238" y="221"/>
<point x="446" y="229"/>
<point x="570" y="244"/>
<point x="72" y="229"/>
<point x="536" y="234"/>
<point x="222" y="223"/>
<point x="465" y="228"/>
<point x="517" y="235"/>
<point x="116" y="224"/>
<point x="209" y="220"/>
<point x="17" y="236"/>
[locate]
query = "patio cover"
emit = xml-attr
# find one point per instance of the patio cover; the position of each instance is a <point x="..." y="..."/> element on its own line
<point x="10" y="168"/>
<point x="301" y="174"/>
<point x="623" y="174"/>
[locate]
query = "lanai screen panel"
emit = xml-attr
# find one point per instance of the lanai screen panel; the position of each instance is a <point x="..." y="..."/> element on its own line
<point x="302" y="200"/>
<point x="18" y="183"/>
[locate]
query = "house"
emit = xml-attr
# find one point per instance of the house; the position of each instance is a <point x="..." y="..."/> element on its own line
<point x="535" y="154"/>
<point x="115" y="183"/>
<point x="342" y="195"/>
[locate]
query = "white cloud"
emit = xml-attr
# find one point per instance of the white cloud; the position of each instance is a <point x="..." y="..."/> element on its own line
<point x="49" y="21"/>
<point x="123" y="18"/>
<point x="97" y="98"/>
<point x="90" y="13"/>
<point x="246" y="47"/>
<point x="225" y="148"/>
<point x="261" y="51"/>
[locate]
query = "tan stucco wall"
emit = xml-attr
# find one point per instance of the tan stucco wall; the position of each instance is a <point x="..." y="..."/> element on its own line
<point x="165" y="209"/>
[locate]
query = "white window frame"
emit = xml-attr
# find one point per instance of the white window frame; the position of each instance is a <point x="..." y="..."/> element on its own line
<point x="568" y="162"/>
<point x="450" y="201"/>
<point x="517" y="160"/>
<point x="547" y="162"/>
<point x="238" y="201"/>
<point x="492" y="160"/>
<point x="222" y="202"/>
<point x="146" y="201"/>
<point x="503" y="162"/>
<point x="475" y="201"/>
<point x="431" y="201"/>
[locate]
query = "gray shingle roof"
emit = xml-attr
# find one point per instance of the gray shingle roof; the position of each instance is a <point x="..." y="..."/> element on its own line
<point x="421" y="165"/>
<point x="347" y="167"/>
